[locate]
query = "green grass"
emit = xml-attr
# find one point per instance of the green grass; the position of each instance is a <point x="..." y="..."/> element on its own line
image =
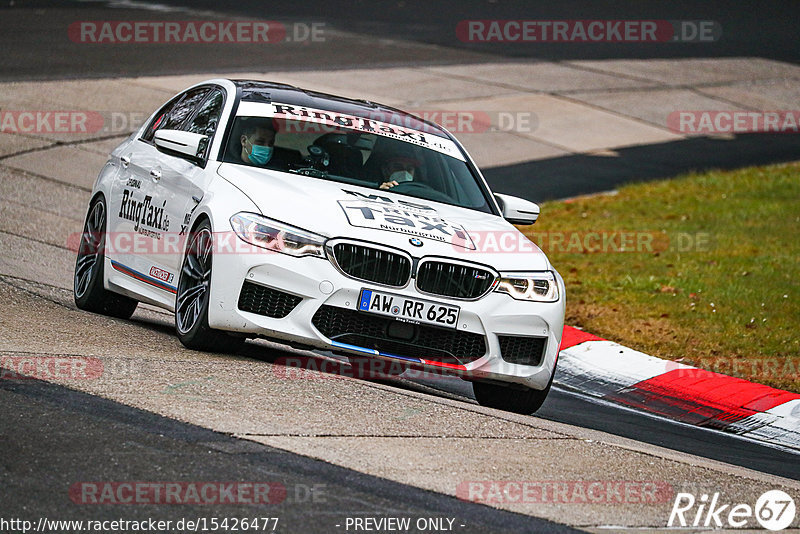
<point x="728" y="305"/>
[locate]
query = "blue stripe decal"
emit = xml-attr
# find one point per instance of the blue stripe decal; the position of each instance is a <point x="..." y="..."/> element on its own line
<point x="354" y="347"/>
<point x="415" y="360"/>
<point x="143" y="277"/>
<point x="373" y="352"/>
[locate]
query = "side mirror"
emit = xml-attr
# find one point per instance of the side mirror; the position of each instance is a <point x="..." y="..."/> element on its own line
<point x="188" y="145"/>
<point x="517" y="210"/>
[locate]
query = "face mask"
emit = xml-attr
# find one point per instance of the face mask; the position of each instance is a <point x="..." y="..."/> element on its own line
<point x="401" y="176"/>
<point x="260" y="154"/>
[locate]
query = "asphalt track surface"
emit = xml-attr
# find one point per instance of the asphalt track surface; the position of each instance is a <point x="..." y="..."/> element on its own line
<point x="575" y="409"/>
<point x="46" y="458"/>
<point x="53" y="436"/>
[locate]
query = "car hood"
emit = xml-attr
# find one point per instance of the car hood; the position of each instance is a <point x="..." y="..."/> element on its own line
<point x="420" y="227"/>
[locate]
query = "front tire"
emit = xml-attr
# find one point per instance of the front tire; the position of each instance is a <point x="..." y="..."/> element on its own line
<point x="525" y="401"/>
<point x="193" y="295"/>
<point x="87" y="288"/>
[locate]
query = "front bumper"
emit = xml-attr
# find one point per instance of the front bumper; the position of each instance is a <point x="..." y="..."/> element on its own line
<point x="325" y="292"/>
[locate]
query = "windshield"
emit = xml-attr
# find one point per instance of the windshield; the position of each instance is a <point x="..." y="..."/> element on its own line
<point x="354" y="150"/>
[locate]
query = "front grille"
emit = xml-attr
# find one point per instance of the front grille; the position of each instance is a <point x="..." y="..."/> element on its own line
<point x="255" y="298"/>
<point x="522" y="350"/>
<point x="453" y="280"/>
<point x="413" y="341"/>
<point x="372" y="264"/>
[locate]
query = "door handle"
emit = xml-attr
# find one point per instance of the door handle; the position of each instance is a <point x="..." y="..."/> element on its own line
<point x="125" y="161"/>
<point x="156" y="174"/>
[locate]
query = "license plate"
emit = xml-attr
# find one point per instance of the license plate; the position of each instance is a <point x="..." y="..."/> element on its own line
<point x="408" y="309"/>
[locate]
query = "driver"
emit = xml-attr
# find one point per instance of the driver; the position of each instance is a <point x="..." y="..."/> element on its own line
<point x="398" y="169"/>
<point x="258" y="142"/>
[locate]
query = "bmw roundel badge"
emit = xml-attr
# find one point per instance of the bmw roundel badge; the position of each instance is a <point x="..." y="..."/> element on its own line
<point x="415" y="241"/>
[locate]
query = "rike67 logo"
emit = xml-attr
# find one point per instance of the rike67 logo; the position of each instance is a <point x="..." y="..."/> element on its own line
<point x="774" y="510"/>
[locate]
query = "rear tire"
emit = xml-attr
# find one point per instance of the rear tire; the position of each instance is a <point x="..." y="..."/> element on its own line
<point x="87" y="288"/>
<point x="192" y="297"/>
<point x="525" y="401"/>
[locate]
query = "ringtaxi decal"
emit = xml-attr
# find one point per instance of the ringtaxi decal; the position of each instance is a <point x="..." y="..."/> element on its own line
<point x="143" y="213"/>
<point x="284" y="112"/>
<point x="379" y="214"/>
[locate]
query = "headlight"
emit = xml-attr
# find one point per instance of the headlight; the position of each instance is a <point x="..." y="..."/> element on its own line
<point x="538" y="286"/>
<point x="277" y="236"/>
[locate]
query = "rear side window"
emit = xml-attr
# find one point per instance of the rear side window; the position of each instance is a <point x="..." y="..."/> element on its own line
<point x="172" y="115"/>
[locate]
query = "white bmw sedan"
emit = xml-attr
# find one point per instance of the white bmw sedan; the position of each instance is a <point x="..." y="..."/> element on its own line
<point x="258" y="209"/>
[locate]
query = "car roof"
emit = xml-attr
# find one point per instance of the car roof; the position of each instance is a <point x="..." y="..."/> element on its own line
<point x="266" y="91"/>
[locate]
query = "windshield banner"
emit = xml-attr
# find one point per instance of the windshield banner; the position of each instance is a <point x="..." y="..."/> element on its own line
<point x="340" y="121"/>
